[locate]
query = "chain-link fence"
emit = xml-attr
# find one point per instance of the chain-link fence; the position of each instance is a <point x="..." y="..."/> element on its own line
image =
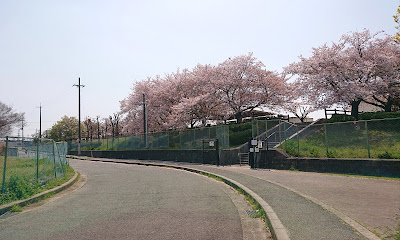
<point x="275" y="132"/>
<point x="30" y="159"/>
<point x="357" y="139"/>
<point x="188" y="139"/>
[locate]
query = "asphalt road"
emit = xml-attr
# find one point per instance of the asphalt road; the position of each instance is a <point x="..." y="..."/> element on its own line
<point x="131" y="202"/>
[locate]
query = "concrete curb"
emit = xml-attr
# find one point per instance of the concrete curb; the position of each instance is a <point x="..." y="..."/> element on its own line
<point x="5" y="208"/>
<point x="277" y="229"/>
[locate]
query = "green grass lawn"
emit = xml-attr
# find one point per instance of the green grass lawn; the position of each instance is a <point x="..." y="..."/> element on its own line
<point x="21" y="180"/>
<point x="344" y="143"/>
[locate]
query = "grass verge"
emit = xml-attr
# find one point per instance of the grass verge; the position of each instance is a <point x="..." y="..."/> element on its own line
<point x="21" y="182"/>
<point x="346" y="143"/>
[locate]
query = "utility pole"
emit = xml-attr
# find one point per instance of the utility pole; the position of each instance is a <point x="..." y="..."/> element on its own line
<point x="79" y="116"/>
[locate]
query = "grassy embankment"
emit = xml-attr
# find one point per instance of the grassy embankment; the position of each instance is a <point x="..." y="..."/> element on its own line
<point x="238" y="134"/>
<point x="348" y="139"/>
<point x="21" y="178"/>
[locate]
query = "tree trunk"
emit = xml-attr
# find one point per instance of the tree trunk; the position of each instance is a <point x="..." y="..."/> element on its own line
<point x="389" y="104"/>
<point x="354" y="108"/>
<point x="238" y="117"/>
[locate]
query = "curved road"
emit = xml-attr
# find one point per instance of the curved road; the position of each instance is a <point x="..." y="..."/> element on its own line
<point x="131" y="202"/>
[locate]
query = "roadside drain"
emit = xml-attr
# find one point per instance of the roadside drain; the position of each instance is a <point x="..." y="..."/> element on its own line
<point x="7" y="215"/>
<point x="252" y="213"/>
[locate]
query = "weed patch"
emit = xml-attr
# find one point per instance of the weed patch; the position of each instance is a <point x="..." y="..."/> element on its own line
<point x="21" y="181"/>
<point x="16" y="208"/>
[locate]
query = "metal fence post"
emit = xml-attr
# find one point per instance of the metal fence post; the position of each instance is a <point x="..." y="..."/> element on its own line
<point x="280" y="132"/>
<point x="54" y="158"/>
<point x="252" y="129"/>
<point x="284" y="135"/>
<point x="180" y="140"/>
<point x="366" y="132"/>
<point x="217" y="148"/>
<point x="298" y="141"/>
<point x="326" y="141"/>
<point x="5" y="166"/>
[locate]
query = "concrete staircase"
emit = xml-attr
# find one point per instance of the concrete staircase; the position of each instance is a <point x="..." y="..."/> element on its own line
<point x="275" y="136"/>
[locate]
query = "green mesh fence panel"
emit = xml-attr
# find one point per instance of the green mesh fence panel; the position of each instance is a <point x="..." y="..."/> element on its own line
<point x="30" y="159"/>
<point x="356" y="139"/>
<point x="188" y="139"/>
<point x="384" y="138"/>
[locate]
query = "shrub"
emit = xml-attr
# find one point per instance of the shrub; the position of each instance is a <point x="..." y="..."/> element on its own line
<point x="239" y="133"/>
<point x="238" y="138"/>
<point x="378" y="115"/>
<point x="21" y="187"/>
<point x="385" y="155"/>
<point x="340" y="118"/>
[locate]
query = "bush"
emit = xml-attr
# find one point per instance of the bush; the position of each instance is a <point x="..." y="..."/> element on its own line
<point x="18" y="188"/>
<point x="378" y="115"/>
<point x="238" y="138"/>
<point x="21" y="187"/>
<point x="340" y="118"/>
<point x="239" y="127"/>
<point x="290" y="146"/>
<point x="385" y="155"/>
<point x="239" y="134"/>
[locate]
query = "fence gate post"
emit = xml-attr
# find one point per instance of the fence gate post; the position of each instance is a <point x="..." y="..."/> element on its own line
<point x="366" y="132"/>
<point x="252" y="129"/>
<point x="298" y="141"/>
<point x="326" y="141"/>
<point x="280" y="131"/>
<point x="217" y="148"/>
<point x="5" y="166"/>
<point x="54" y="158"/>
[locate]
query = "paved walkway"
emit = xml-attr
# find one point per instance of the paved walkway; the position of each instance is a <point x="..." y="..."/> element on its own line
<point x="132" y="202"/>
<point x="374" y="203"/>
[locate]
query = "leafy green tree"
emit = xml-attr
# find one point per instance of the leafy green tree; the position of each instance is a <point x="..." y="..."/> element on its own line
<point x="66" y="129"/>
<point x="397" y="20"/>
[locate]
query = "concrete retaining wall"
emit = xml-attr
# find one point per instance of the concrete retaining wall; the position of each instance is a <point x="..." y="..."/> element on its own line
<point x="270" y="159"/>
<point x="277" y="159"/>
<point x="227" y="157"/>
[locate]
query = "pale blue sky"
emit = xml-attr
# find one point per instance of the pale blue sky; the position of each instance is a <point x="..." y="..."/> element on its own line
<point x="46" y="45"/>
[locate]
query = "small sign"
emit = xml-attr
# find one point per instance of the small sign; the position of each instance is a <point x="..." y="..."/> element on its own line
<point x="211" y="143"/>
<point x="260" y="144"/>
<point x="256" y="149"/>
<point x="254" y="142"/>
<point x="251" y="149"/>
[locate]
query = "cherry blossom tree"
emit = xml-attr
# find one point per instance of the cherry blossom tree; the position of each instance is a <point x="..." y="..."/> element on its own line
<point x="346" y="72"/>
<point x="386" y="84"/>
<point x="200" y="101"/>
<point x="243" y="85"/>
<point x="297" y="101"/>
<point x="191" y="97"/>
<point x="396" y="18"/>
